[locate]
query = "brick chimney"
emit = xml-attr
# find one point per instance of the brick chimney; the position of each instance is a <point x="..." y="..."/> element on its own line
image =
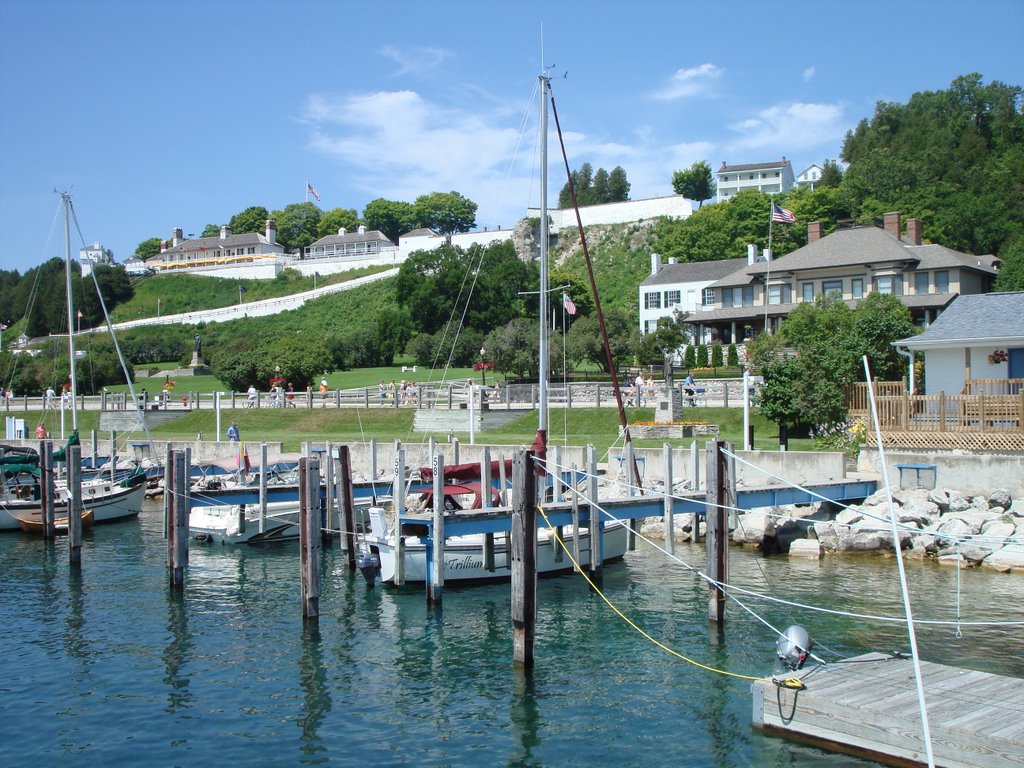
<point x="914" y="231"/>
<point x="271" y="231"/>
<point x="177" y="236"/>
<point x="225" y="232"/>
<point x="892" y="224"/>
<point x="814" y="229"/>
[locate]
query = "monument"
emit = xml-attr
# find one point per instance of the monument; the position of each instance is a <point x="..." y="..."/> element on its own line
<point x="197" y="367"/>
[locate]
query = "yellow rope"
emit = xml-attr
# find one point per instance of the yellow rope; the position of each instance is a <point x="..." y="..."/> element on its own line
<point x="629" y="621"/>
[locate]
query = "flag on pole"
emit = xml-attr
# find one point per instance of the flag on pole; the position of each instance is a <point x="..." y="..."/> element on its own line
<point x="313" y="192"/>
<point x="781" y="214"/>
<point x="568" y="304"/>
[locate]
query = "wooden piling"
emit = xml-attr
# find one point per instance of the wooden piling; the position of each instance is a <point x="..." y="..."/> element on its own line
<point x="74" y="457"/>
<point x="666" y="460"/>
<point x="398" y="494"/>
<point x="716" y="510"/>
<point x="594" y="525"/>
<point x="633" y="473"/>
<point x="263" y="488"/>
<point x="523" y="551"/>
<point x="309" y="536"/>
<point x="47" y="493"/>
<point x="331" y="493"/>
<point x="485" y="496"/>
<point x="575" y="501"/>
<point x="348" y="523"/>
<point x="176" y="478"/>
<point x="435" y="571"/>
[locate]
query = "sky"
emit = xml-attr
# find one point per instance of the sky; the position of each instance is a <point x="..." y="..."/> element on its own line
<point x="156" y="115"/>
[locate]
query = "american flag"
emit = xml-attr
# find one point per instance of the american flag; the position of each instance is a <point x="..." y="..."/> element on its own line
<point x="781" y="214"/>
<point x="568" y="304"/>
<point x="313" y="192"/>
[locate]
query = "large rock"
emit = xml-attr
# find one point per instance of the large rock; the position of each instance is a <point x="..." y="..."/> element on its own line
<point x="940" y="499"/>
<point x="920" y="511"/>
<point x="754" y="527"/>
<point x="810" y="548"/>
<point x="958" y="502"/>
<point x="999" y="498"/>
<point x="1007" y="559"/>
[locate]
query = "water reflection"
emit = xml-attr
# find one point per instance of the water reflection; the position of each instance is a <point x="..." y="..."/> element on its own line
<point x="177" y="653"/>
<point x="523" y="714"/>
<point x="316" y="699"/>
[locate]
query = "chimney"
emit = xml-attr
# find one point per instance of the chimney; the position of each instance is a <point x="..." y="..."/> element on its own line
<point x="342" y="232"/>
<point x="225" y="232"/>
<point x="671" y="259"/>
<point x="655" y="263"/>
<point x="814" y="231"/>
<point x="271" y="231"/>
<point x="176" y="236"/>
<point x="361" y="230"/>
<point x="163" y="246"/>
<point x="914" y="231"/>
<point x="892" y="224"/>
<point x="751" y="253"/>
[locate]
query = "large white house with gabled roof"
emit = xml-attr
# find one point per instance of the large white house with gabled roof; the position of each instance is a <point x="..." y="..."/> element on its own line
<point x="771" y="178"/>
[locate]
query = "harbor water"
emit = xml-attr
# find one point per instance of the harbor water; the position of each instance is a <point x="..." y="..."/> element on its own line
<point x="110" y="667"/>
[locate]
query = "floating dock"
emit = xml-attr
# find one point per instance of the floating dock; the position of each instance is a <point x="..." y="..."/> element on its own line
<point x="868" y="706"/>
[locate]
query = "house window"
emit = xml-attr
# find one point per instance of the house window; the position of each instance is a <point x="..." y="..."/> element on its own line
<point x="650" y="325"/>
<point x="807" y="290"/>
<point x="652" y="300"/>
<point x="709" y="297"/>
<point x="857" y="287"/>
<point x="725" y="178"/>
<point x="751" y="177"/>
<point x="778" y="294"/>
<point x="748" y="296"/>
<point x="942" y="281"/>
<point x="832" y="288"/>
<point x="727" y="297"/>
<point x="889" y="284"/>
<point x="672" y="298"/>
<point x="920" y="282"/>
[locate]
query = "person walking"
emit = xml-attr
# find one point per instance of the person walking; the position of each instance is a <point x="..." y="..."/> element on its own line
<point x="690" y="387"/>
<point x="233" y="434"/>
<point x="639" y="389"/>
<point x="41" y="432"/>
<point x="253" y="394"/>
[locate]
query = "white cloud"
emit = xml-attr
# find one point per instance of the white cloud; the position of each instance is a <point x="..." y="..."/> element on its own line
<point x="689" y="82"/>
<point x="414" y="60"/>
<point x="788" y="128"/>
<point x="808" y="74"/>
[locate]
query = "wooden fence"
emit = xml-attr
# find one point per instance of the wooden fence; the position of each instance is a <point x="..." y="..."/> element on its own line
<point x="988" y="414"/>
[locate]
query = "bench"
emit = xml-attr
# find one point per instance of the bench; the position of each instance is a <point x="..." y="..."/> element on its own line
<point x="409" y="368"/>
<point x="917" y="469"/>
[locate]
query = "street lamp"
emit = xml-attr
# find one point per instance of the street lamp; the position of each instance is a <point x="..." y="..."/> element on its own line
<point x="483" y="367"/>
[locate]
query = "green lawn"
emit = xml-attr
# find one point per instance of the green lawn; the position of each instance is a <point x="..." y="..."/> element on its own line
<point x="291" y="427"/>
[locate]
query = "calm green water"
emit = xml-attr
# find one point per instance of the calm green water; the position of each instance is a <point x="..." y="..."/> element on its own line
<point x="110" y="668"/>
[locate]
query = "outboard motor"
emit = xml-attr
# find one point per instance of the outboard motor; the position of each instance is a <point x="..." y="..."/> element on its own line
<point x="369" y="565"/>
<point x="794" y="646"/>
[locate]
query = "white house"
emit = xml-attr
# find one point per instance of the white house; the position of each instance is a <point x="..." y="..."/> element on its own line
<point x="673" y="287"/>
<point x="93" y="256"/>
<point x="809" y="176"/>
<point x="978" y="336"/>
<point x="771" y="178"/>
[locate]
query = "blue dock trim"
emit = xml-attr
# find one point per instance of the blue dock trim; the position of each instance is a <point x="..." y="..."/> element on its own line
<point x="499" y="519"/>
<point x="361" y="493"/>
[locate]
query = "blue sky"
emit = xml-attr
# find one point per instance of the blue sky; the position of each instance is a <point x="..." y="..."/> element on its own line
<point x="158" y="115"/>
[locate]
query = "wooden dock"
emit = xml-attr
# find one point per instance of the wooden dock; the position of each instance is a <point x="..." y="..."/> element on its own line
<point x="868" y="706"/>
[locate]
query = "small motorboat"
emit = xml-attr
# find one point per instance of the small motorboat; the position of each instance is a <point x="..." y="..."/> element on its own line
<point x="34" y="524"/>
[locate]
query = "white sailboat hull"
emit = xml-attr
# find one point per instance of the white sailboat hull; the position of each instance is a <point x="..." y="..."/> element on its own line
<point x="109" y="503"/>
<point x="464" y="555"/>
<point x="240" y="523"/>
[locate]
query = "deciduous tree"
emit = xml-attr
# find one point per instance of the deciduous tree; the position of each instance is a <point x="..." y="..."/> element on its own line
<point x="695" y="183"/>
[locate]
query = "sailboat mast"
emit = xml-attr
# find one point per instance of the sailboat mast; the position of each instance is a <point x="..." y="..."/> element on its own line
<point x="542" y="422"/>
<point x="71" y="312"/>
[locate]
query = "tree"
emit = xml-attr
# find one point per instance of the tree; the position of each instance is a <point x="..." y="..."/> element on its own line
<point x="392" y="217"/>
<point x="695" y="183"/>
<point x="336" y="219"/>
<point x="513" y="348"/>
<point x="148" y="248"/>
<point x="831" y="175"/>
<point x="297" y="225"/>
<point x="1011" y="274"/>
<point x="585" y="345"/>
<point x="210" y="230"/>
<point x="716" y="356"/>
<point x="252" y="219"/>
<point x="618" y="185"/>
<point x="445" y="212"/>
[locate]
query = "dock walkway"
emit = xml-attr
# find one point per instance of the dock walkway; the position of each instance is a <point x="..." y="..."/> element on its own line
<point x="868" y="706"/>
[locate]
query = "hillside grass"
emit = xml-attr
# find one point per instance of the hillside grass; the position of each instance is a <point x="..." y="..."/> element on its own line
<point x="293" y="426"/>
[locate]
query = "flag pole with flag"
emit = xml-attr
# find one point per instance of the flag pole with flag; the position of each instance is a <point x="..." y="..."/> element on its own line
<point x="311" y="191"/>
<point x="568" y="305"/>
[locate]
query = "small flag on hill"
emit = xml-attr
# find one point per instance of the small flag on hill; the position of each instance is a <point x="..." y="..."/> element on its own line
<point x="568" y="304"/>
<point x="313" y="192"/>
<point x="781" y="214"/>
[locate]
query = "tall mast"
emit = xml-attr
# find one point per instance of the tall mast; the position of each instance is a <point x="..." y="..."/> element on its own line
<point x="71" y="312"/>
<point x="542" y="422"/>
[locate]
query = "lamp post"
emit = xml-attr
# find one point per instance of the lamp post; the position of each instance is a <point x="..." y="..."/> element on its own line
<point x="483" y="367"/>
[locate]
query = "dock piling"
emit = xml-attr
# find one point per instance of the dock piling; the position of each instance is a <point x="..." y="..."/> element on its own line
<point x="435" y="570"/>
<point x="523" y="551"/>
<point x="348" y="527"/>
<point x="718" y="501"/>
<point x="309" y="536"/>
<point x="74" y="457"/>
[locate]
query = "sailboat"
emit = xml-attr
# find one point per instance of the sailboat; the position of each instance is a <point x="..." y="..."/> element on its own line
<point x="464" y="559"/>
<point x="21" y="492"/>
